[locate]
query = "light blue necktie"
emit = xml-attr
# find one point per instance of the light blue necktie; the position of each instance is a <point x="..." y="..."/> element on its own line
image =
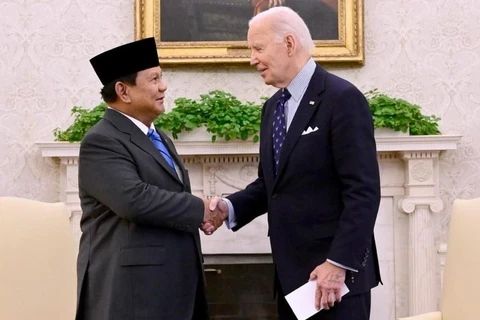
<point x="157" y="141"/>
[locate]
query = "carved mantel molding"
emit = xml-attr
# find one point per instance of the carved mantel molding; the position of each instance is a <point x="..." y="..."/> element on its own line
<point x="205" y="147"/>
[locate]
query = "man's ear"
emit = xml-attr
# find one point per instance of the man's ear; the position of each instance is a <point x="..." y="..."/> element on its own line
<point x="291" y="44"/>
<point x="123" y="92"/>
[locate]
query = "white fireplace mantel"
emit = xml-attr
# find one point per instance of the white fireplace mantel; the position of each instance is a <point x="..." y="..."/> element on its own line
<point x="189" y="148"/>
<point x="404" y="231"/>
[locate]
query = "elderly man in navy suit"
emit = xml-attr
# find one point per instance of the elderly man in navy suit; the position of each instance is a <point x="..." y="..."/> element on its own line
<point x="318" y="176"/>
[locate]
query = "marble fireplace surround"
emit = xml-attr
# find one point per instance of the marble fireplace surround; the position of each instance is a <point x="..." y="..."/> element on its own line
<point x="409" y="168"/>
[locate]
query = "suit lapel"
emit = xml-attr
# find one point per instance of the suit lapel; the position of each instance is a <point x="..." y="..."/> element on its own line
<point x="306" y="109"/>
<point x="138" y="138"/>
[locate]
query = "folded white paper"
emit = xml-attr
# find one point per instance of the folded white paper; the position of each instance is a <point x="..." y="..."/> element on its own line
<point x="302" y="300"/>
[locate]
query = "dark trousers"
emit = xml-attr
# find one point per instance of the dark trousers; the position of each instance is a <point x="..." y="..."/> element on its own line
<point x="200" y="311"/>
<point x="355" y="307"/>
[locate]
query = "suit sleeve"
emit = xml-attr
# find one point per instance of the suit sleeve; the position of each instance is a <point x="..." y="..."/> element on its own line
<point x="252" y="201"/>
<point x="355" y="159"/>
<point x="108" y="173"/>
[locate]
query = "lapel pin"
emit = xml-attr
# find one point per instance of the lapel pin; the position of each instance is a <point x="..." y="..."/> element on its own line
<point x="312" y="103"/>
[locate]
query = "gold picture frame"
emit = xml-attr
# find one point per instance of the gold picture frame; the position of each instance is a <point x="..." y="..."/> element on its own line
<point x="348" y="47"/>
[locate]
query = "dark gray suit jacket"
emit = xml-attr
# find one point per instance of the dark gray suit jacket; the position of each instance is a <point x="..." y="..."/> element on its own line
<point x="140" y="255"/>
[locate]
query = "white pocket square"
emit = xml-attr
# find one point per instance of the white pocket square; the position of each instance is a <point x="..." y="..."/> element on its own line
<point x="309" y="130"/>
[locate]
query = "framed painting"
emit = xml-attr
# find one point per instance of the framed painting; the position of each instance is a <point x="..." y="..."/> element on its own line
<point x="215" y="31"/>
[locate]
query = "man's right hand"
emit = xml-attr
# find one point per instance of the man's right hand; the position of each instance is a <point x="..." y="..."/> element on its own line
<point x="216" y="211"/>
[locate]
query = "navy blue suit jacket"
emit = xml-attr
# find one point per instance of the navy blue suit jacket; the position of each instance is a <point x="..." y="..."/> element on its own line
<point x="324" y="200"/>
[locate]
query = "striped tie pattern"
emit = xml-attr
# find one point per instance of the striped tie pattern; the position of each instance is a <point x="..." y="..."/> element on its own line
<point x="157" y="141"/>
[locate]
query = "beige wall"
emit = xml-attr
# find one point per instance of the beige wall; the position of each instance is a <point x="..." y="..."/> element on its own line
<point x="425" y="51"/>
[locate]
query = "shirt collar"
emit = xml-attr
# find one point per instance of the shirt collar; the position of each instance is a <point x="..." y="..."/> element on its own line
<point x="300" y="83"/>
<point x="136" y="122"/>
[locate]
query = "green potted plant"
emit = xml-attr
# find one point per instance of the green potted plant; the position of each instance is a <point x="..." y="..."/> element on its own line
<point x="220" y="113"/>
<point x="84" y="119"/>
<point x="400" y="115"/>
<point x="224" y="117"/>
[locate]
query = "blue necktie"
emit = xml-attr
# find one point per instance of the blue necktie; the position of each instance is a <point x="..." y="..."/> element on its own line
<point x="279" y="127"/>
<point x="157" y="141"/>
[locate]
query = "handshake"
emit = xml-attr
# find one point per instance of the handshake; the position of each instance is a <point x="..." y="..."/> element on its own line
<point x="215" y="213"/>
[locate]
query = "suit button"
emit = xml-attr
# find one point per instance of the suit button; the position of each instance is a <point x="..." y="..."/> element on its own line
<point x="274" y="196"/>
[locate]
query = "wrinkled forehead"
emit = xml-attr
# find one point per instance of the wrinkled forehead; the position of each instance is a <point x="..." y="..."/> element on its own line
<point x="260" y="31"/>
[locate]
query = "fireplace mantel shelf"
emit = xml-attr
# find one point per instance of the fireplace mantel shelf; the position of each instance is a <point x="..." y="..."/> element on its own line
<point x="191" y="148"/>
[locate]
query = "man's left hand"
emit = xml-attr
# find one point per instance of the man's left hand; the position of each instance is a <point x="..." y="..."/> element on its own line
<point x="329" y="282"/>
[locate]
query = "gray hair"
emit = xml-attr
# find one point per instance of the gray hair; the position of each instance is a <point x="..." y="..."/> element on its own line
<point x="286" y="21"/>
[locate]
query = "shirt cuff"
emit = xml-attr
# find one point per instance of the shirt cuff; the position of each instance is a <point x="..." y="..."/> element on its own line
<point x="341" y="265"/>
<point x="231" y="222"/>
